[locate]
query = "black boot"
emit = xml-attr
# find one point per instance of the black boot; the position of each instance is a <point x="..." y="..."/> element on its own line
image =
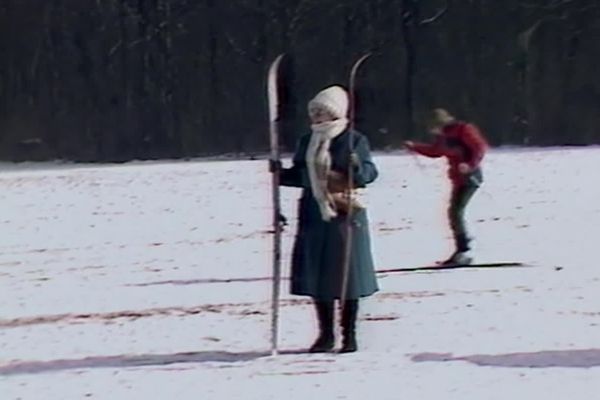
<point x="460" y="256"/>
<point x="349" y="314"/>
<point x="463" y="242"/>
<point x="326" y="340"/>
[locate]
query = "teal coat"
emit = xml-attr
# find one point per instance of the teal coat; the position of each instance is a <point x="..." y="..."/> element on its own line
<point x="318" y="252"/>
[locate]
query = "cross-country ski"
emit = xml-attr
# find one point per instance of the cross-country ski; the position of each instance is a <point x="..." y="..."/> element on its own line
<point x="443" y="267"/>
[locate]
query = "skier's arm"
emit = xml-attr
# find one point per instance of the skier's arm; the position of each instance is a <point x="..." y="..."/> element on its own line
<point x="435" y="150"/>
<point x="475" y="141"/>
<point x="296" y="176"/>
<point x="291" y="177"/>
<point x="365" y="170"/>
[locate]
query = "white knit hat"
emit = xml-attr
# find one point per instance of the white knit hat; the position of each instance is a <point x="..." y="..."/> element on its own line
<point x="333" y="99"/>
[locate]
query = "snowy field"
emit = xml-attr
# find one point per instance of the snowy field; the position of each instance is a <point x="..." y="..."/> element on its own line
<point x="150" y="281"/>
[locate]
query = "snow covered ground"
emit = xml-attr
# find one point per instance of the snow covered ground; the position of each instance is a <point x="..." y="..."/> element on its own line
<point x="149" y="281"/>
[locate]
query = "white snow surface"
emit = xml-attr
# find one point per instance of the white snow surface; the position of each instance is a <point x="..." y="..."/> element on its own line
<point x="151" y="281"/>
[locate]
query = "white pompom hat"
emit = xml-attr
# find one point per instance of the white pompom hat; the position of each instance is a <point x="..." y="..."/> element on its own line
<point x="333" y="99"/>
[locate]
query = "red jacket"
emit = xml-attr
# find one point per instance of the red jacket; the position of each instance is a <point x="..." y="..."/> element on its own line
<point x="460" y="142"/>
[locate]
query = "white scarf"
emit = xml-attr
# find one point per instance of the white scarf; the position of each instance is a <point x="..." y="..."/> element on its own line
<point x="318" y="161"/>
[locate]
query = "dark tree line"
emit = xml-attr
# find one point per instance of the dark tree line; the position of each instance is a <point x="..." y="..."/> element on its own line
<point x="102" y="80"/>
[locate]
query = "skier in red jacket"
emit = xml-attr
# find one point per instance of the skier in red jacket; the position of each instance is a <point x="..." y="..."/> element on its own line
<point x="464" y="146"/>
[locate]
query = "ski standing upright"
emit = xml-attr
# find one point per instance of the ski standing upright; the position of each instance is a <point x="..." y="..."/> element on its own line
<point x="273" y="98"/>
<point x="350" y="183"/>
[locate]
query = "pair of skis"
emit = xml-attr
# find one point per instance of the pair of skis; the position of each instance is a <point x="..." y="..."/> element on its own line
<point x="275" y="158"/>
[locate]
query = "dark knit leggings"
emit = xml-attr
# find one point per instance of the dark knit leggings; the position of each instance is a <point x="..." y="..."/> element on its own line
<point x="460" y="197"/>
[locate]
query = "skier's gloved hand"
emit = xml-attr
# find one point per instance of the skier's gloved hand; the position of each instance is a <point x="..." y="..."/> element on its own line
<point x="464" y="168"/>
<point x="355" y="160"/>
<point x="336" y="182"/>
<point x="274" y="166"/>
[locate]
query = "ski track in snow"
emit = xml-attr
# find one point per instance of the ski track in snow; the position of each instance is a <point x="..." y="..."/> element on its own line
<point x="150" y="281"/>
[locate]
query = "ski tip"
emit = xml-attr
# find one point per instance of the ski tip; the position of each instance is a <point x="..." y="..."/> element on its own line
<point x="277" y="60"/>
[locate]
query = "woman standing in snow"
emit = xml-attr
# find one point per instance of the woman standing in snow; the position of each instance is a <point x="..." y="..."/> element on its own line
<point x="320" y="167"/>
<point x="464" y="147"/>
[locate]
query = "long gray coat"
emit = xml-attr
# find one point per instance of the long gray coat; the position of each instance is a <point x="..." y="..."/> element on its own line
<point x="318" y="253"/>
